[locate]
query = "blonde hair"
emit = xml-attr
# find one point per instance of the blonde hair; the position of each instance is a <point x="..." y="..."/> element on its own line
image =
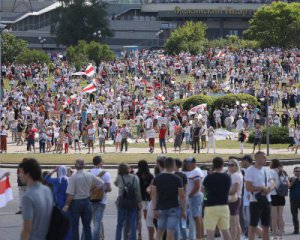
<point x="237" y="164"/>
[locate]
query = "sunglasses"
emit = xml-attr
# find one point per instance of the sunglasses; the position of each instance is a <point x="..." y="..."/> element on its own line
<point x="231" y="165"/>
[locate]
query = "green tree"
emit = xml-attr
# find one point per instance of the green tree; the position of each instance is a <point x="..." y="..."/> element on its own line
<point x="277" y="25"/>
<point x="76" y="20"/>
<point x="11" y="47"/>
<point x="190" y="37"/>
<point x="29" y="56"/>
<point x="83" y="53"/>
<point x="233" y="42"/>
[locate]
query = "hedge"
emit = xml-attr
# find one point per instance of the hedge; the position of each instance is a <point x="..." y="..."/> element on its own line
<point x="231" y="99"/>
<point x="195" y="100"/>
<point x="277" y="135"/>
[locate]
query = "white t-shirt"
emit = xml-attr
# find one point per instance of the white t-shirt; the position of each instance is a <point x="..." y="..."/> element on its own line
<point x="259" y="178"/>
<point x="105" y="178"/>
<point x="239" y="124"/>
<point x="148" y="122"/>
<point x="91" y="133"/>
<point x="102" y="133"/>
<point x="277" y="180"/>
<point x="192" y="176"/>
<point x="138" y="119"/>
<point x="237" y="178"/>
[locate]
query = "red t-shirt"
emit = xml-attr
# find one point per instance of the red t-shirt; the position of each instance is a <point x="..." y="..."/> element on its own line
<point x="30" y="134"/>
<point x="162" y="133"/>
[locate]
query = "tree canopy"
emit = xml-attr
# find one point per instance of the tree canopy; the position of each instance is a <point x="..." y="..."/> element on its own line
<point x="83" y="53"/>
<point x="276" y="25"/>
<point x="11" y="47"/>
<point x="78" y="20"/>
<point x="29" y="56"/>
<point x="190" y="37"/>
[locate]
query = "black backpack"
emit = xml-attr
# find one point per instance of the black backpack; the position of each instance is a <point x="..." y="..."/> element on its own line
<point x="128" y="199"/>
<point x="283" y="188"/>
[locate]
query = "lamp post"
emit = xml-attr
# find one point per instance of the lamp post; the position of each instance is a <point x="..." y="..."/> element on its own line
<point x="2" y="28"/>
<point x="98" y="34"/>
<point x="42" y="41"/>
<point x="266" y="102"/>
<point x="157" y="36"/>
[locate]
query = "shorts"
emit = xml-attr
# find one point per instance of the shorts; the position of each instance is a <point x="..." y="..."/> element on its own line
<point x="30" y="142"/>
<point x="150" y="217"/>
<point x="195" y="205"/>
<point x="101" y="141"/>
<point x="168" y="219"/>
<point x="203" y="138"/>
<point x="162" y="142"/>
<point x="138" y="129"/>
<point x="257" y="213"/>
<point x="76" y="140"/>
<point x="257" y="141"/>
<point x="234" y="207"/>
<point x="216" y="216"/>
<point x="277" y="200"/>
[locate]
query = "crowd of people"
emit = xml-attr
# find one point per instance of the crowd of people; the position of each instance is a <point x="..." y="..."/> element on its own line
<point x="129" y="97"/>
<point x="178" y="200"/>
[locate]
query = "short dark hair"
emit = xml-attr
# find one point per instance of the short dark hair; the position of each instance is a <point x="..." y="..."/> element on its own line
<point x="247" y="158"/>
<point x="123" y="169"/>
<point x="32" y="167"/>
<point x="169" y="162"/>
<point x="161" y="161"/>
<point x="218" y="163"/>
<point x="178" y="163"/>
<point x="97" y="160"/>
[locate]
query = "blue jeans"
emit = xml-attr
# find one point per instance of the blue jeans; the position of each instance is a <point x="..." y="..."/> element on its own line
<point x="168" y="219"/>
<point x="181" y="232"/>
<point x="81" y="208"/>
<point x="97" y="216"/>
<point x="131" y="214"/>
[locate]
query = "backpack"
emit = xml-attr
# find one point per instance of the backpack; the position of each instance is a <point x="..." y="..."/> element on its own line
<point x="128" y="198"/>
<point x="96" y="193"/>
<point x="283" y="188"/>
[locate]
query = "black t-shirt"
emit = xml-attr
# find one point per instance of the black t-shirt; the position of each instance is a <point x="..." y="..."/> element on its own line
<point x="167" y="185"/>
<point x="183" y="177"/>
<point x="217" y="187"/>
<point x="145" y="181"/>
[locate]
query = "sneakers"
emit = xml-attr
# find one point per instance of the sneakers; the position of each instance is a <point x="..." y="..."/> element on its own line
<point x="296" y="232"/>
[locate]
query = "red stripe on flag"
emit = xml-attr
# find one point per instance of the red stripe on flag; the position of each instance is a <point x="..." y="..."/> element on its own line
<point x="4" y="185"/>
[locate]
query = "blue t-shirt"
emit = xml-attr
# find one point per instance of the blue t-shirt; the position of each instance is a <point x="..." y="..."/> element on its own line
<point x="59" y="187"/>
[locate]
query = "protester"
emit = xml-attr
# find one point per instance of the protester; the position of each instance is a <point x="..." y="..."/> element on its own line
<point x="278" y="195"/>
<point x="260" y="183"/>
<point x="129" y="200"/>
<point x="236" y="194"/>
<point x="98" y="205"/>
<point x="295" y="198"/>
<point x="59" y="186"/>
<point x="195" y="196"/>
<point x="3" y="140"/>
<point x="211" y="139"/>
<point x="37" y="202"/>
<point x="146" y="179"/>
<point x="78" y="193"/>
<point x="216" y="188"/>
<point x="167" y="191"/>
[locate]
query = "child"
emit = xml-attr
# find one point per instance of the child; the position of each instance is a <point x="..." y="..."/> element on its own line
<point x="76" y="139"/>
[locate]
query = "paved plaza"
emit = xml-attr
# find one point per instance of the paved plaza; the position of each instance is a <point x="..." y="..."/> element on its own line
<point x="10" y="224"/>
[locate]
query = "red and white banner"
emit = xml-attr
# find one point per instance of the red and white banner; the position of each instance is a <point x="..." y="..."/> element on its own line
<point x="5" y="192"/>
<point x="90" y="70"/>
<point x="221" y="54"/>
<point x="160" y="97"/>
<point x="198" y="109"/>
<point x="89" y="88"/>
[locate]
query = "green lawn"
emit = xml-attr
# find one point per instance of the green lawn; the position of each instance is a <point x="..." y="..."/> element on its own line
<point x="117" y="158"/>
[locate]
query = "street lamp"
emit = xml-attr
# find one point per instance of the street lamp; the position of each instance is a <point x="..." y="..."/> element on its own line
<point x="157" y="35"/>
<point x="42" y="41"/>
<point x="2" y="28"/>
<point x="98" y="34"/>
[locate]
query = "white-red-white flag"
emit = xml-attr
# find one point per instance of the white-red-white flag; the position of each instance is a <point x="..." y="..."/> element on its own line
<point x="90" y="70"/>
<point x="221" y="54"/>
<point x="5" y="192"/>
<point x="89" y="88"/>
